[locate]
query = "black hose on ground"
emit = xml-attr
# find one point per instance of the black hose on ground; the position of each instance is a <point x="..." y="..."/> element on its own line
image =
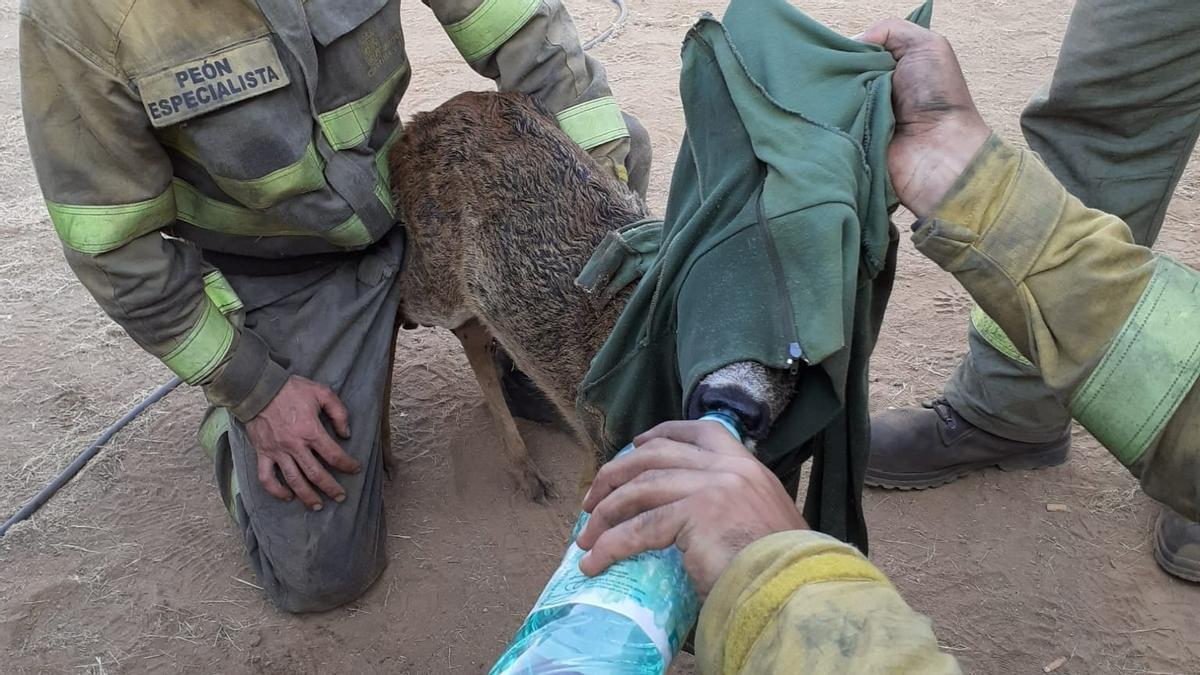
<point x="84" y="457"/>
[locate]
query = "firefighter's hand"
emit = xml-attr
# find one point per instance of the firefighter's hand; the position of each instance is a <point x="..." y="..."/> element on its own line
<point x="288" y="434"/>
<point x="637" y="162"/>
<point x="938" y="128"/>
<point x="690" y="484"/>
<point x="628" y="158"/>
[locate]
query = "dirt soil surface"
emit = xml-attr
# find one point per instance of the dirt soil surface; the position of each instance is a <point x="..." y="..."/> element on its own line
<point x="134" y="567"/>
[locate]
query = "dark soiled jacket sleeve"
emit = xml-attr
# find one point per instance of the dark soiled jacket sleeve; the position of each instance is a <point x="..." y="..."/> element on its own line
<point x="108" y="188"/>
<point x="531" y="46"/>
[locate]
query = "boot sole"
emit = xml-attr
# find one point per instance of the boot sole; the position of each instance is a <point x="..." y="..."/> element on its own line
<point x="1163" y="557"/>
<point x="920" y="481"/>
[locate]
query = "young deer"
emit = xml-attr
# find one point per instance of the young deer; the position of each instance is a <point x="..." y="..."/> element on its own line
<point x="502" y="212"/>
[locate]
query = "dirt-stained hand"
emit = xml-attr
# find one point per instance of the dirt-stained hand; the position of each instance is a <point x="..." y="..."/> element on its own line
<point x="938" y="128"/>
<point x="690" y="484"/>
<point x="288" y="434"/>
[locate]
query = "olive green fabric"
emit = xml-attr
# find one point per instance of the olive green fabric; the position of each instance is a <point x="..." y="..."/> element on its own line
<point x="802" y="602"/>
<point x="622" y="258"/>
<point x="1113" y="329"/>
<point x="1116" y="125"/>
<point x="776" y="247"/>
<point x="258" y="129"/>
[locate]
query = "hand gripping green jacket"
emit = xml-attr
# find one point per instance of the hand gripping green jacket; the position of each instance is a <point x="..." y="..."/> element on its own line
<point x="250" y="128"/>
<point x="776" y="247"/>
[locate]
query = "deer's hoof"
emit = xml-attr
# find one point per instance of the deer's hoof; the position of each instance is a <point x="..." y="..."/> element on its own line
<point x="534" y="486"/>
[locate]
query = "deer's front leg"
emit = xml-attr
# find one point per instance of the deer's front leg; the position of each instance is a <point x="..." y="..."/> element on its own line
<point x="477" y="343"/>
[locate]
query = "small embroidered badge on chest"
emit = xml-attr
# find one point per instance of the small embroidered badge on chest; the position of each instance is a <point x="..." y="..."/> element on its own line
<point x="378" y="53"/>
<point x="197" y="87"/>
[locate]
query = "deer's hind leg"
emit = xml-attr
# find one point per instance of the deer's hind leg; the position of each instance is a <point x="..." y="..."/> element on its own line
<point x="477" y="343"/>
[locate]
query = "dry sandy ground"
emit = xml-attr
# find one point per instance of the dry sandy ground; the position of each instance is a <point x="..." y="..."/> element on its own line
<point x="135" y="568"/>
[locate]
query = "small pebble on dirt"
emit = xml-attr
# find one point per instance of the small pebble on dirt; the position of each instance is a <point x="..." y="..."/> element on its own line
<point x="1054" y="665"/>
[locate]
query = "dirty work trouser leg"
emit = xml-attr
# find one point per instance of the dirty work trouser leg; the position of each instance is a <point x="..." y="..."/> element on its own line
<point x="332" y="325"/>
<point x="1116" y="125"/>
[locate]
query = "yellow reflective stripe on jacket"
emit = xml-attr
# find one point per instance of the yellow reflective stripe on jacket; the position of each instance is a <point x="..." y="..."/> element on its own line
<point x="215" y="425"/>
<point x="348" y="125"/>
<point x="1148" y="368"/>
<point x="762" y="604"/>
<point x="217" y="287"/>
<point x="383" y="189"/>
<point x="384" y="195"/>
<point x="306" y="175"/>
<point x="995" y="335"/>
<point x="200" y="352"/>
<point x="491" y="24"/>
<point x="593" y="123"/>
<point x="211" y="214"/>
<point x="98" y="229"/>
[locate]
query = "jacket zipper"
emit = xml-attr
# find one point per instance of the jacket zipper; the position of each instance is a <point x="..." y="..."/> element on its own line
<point x="794" y="354"/>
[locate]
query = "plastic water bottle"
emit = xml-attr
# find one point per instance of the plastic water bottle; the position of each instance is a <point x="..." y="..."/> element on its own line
<point x="630" y="620"/>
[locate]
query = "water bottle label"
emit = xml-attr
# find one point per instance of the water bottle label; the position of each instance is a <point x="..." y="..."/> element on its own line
<point x="651" y="589"/>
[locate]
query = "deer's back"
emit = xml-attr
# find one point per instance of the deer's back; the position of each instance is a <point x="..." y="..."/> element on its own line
<point x="501" y="207"/>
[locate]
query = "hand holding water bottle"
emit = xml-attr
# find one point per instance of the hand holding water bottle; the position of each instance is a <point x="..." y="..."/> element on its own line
<point x="690" y="484"/>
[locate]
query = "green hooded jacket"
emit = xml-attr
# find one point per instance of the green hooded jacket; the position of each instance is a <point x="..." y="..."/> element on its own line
<point x="777" y="247"/>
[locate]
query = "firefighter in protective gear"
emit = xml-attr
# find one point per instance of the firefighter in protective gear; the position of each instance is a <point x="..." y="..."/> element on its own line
<point x="216" y="173"/>
<point x="1113" y="328"/>
<point x="1116" y="125"/>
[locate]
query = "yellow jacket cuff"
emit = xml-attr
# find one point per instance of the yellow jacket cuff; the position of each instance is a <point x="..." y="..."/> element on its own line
<point x="760" y="580"/>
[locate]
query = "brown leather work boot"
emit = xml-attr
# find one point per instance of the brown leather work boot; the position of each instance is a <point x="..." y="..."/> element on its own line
<point x="914" y="448"/>
<point x="1177" y="545"/>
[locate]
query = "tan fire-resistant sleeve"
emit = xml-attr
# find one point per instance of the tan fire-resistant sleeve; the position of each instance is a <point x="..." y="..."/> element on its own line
<point x="107" y="184"/>
<point x="803" y="602"/>
<point x="531" y="46"/>
<point x="1113" y="328"/>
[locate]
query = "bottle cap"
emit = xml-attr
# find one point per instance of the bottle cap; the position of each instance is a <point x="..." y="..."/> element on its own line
<point x="726" y="419"/>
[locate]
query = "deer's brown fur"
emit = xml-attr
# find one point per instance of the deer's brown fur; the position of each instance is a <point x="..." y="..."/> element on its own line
<point x="502" y="211"/>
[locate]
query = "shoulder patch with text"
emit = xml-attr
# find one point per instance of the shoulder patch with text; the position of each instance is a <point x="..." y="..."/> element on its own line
<point x="198" y="87"/>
